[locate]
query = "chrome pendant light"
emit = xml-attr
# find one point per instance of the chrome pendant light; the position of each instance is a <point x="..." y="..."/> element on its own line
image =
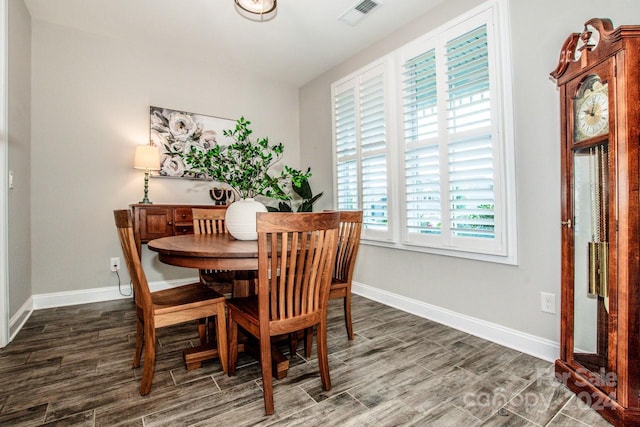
<point x="257" y="10"/>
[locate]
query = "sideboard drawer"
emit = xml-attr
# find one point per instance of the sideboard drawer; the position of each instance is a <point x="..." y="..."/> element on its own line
<point x="155" y="221"/>
<point x="183" y="229"/>
<point x="183" y="215"/>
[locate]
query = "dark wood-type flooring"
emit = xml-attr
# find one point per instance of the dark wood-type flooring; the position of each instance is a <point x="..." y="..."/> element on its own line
<point x="72" y="366"/>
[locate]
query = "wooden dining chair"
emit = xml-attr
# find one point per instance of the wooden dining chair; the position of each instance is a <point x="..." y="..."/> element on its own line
<point x="347" y="252"/>
<point x="296" y="256"/>
<point x="194" y="302"/>
<point x="211" y="221"/>
<point x="348" y="245"/>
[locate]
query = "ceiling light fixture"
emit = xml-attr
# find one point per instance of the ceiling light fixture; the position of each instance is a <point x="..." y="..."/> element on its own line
<point x="257" y="10"/>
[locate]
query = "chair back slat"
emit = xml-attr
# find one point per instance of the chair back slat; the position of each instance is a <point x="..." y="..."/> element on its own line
<point x="296" y="256"/>
<point x="208" y="221"/>
<point x="348" y="244"/>
<point x="212" y="221"/>
<point x="142" y="293"/>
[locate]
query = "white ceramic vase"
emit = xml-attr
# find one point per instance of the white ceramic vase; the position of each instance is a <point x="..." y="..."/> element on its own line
<point x="240" y="218"/>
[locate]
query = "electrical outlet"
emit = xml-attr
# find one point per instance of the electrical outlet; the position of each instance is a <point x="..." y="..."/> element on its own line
<point x="548" y="302"/>
<point x="115" y="264"/>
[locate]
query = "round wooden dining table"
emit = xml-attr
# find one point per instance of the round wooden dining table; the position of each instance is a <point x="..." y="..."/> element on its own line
<point x="207" y="251"/>
<point x="218" y="252"/>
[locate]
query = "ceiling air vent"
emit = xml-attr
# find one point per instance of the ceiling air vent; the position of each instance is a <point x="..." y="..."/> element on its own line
<point x="359" y="10"/>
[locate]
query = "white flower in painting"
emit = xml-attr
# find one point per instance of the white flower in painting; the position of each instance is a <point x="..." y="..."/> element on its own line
<point x="182" y="126"/>
<point x="207" y="139"/>
<point x="177" y="146"/>
<point x="171" y="166"/>
<point x="158" y="139"/>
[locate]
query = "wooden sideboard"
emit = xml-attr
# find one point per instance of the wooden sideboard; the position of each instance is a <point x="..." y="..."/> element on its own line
<point x="155" y="221"/>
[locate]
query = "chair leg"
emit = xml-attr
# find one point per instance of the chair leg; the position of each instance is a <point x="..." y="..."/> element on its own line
<point x="137" y="353"/>
<point x="293" y="344"/>
<point x="267" y="375"/>
<point x="323" y="357"/>
<point x="308" y="342"/>
<point x="221" y="337"/>
<point x="149" y="360"/>
<point x="232" y="338"/>
<point x="347" y="314"/>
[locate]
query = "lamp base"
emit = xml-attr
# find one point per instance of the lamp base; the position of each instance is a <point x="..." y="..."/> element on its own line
<point x="145" y="200"/>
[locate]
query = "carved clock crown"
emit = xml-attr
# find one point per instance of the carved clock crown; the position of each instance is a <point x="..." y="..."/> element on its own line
<point x="581" y="49"/>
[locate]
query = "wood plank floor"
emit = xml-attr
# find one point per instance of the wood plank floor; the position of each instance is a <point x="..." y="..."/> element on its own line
<point x="72" y="366"/>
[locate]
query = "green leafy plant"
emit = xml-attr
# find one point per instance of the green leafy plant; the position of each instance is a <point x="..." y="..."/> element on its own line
<point x="303" y="198"/>
<point x="244" y="165"/>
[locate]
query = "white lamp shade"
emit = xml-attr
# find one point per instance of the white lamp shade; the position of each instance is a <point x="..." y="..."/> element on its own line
<point x="147" y="157"/>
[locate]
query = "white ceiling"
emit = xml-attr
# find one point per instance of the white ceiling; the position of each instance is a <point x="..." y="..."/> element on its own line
<point x="301" y="42"/>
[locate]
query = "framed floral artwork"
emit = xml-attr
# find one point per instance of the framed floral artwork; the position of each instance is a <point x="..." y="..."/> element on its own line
<point x="177" y="131"/>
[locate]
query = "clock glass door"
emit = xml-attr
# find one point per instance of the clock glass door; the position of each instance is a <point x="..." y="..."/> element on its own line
<point x="591" y="257"/>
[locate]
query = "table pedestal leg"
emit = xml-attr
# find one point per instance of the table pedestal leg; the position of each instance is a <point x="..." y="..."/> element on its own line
<point x="244" y="283"/>
<point x="279" y="362"/>
<point x="193" y="357"/>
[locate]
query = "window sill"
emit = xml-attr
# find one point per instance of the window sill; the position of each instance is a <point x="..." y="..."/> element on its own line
<point x="510" y="259"/>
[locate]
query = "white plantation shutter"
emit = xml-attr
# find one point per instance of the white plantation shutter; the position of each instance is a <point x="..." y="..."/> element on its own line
<point x="451" y="147"/>
<point x="449" y="140"/>
<point x="373" y="138"/>
<point x="346" y="149"/>
<point x="470" y="147"/>
<point x="422" y="163"/>
<point x="471" y="188"/>
<point x="420" y="97"/>
<point x="360" y="110"/>
<point x="467" y="69"/>
<point x="423" y="201"/>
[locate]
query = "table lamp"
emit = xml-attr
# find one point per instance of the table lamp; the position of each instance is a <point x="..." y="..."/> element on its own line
<point x="148" y="158"/>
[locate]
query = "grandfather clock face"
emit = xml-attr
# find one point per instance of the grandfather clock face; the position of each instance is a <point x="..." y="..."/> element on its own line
<point x="591" y="109"/>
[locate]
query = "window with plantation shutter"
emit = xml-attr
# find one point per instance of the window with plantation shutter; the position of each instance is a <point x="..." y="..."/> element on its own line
<point x="360" y="133"/>
<point x="452" y="144"/>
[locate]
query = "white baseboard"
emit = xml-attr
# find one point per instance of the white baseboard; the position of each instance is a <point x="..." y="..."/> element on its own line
<point x="530" y="344"/>
<point x="18" y="320"/>
<point x="62" y="299"/>
<point x="84" y="296"/>
<point x="536" y="346"/>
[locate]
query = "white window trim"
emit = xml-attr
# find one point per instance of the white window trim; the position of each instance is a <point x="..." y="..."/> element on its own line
<point x="504" y="129"/>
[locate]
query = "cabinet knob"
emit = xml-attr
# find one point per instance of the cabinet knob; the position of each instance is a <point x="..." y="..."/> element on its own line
<point x="567" y="223"/>
<point x="184" y="216"/>
<point x="170" y="222"/>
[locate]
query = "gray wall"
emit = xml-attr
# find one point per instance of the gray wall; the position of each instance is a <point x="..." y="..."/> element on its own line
<point x="501" y="294"/>
<point x="91" y="98"/>
<point x="19" y="152"/>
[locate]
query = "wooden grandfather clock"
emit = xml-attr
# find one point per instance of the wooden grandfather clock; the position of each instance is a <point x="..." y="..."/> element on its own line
<point x="598" y="76"/>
